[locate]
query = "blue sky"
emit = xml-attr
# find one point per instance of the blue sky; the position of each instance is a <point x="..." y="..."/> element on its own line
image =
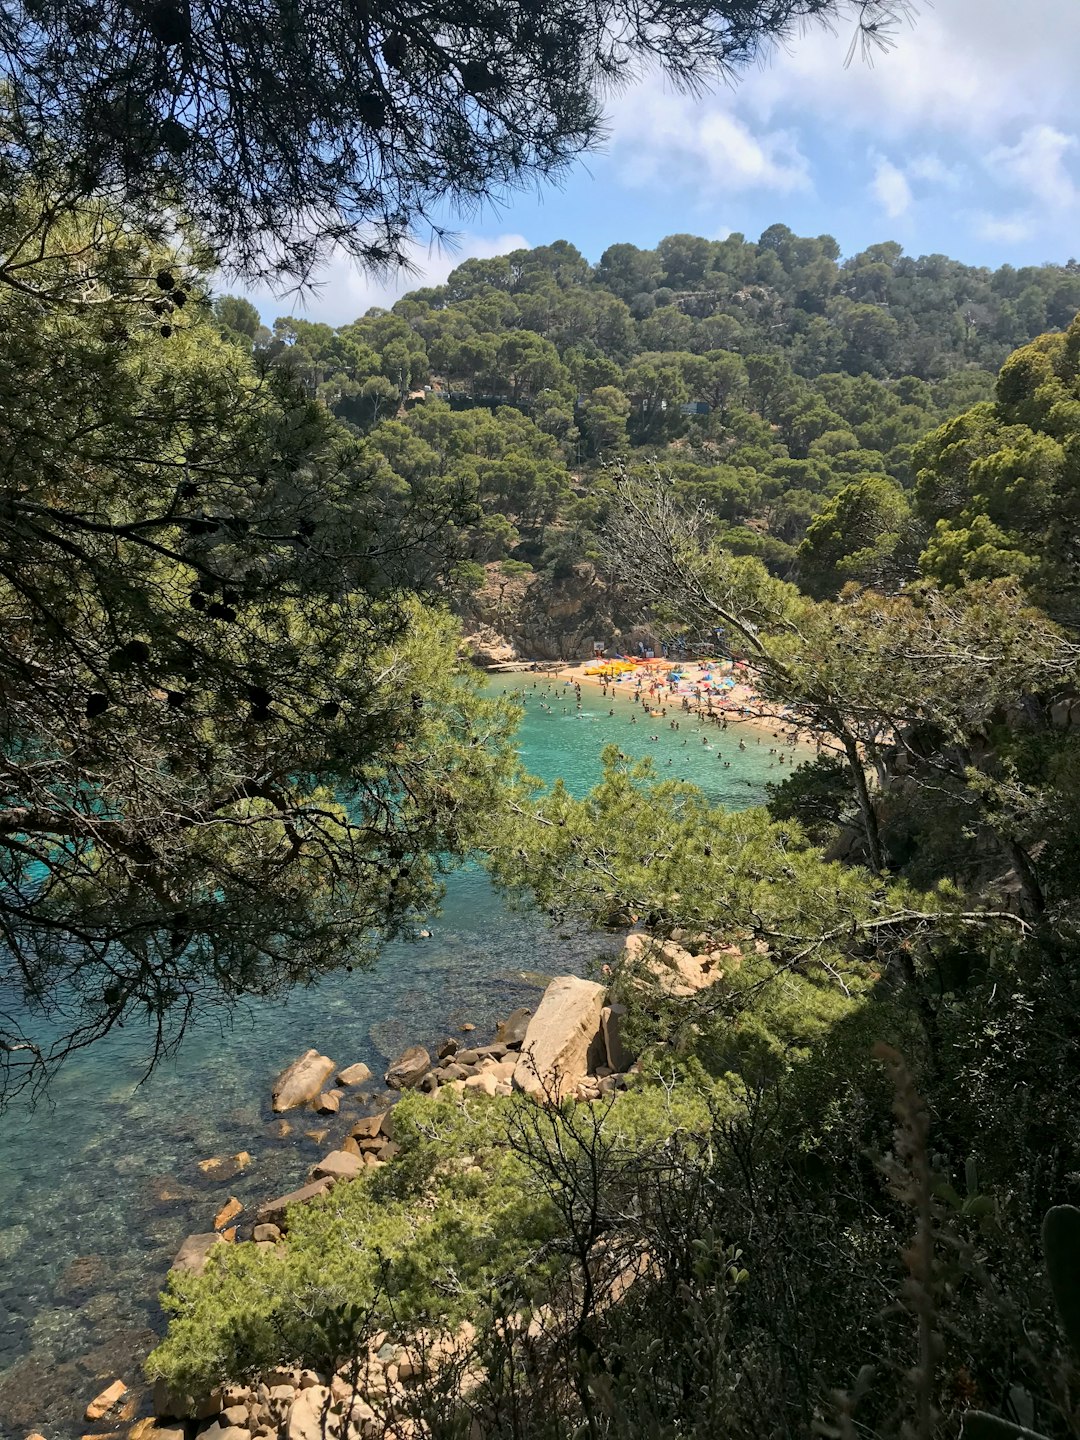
<point x="964" y="139"/>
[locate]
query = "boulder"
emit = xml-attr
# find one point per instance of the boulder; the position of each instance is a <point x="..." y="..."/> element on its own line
<point x="301" y="1081"/>
<point x="217" y="1430"/>
<point x="513" y="1028"/>
<point x="350" y="1146"/>
<point x="151" y="1429"/>
<point x="167" y="1404"/>
<point x="273" y="1212"/>
<point x="228" y="1212"/>
<point x="485" y="1083"/>
<point x="368" y="1127"/>
<point x="109" y="1398"/>
<point x="269" y="1233"/>
<point x="328" y="1103"/>
<point x="467" y="1057"/>
<point x="446" y="1049"/>
<point x="338" y="1165"/>
<point x="559" y="1037"/>
<point x="611" y="1022"/>
<point x="409" y="1068"/>
<point x="309" y="1414"/>
<point x="358" y="1074"/>
<point x="193" y="1253"/>
<point x="675" y="970"/>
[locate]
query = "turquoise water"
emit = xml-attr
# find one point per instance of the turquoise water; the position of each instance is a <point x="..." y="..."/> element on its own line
<point x="99" y="1186"/>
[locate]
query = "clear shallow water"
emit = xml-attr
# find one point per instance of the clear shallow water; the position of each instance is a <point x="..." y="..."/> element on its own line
<point x="99" y="1187"/>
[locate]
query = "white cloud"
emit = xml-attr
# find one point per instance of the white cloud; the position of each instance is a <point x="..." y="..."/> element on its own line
<point x="933" y="170"/>
<point x="343" y="291"/>
<point x="1006" y="229"/>
<point x="659" y="135"/>
<point x="891" y="189"/>
<point x="1037" y="163"/>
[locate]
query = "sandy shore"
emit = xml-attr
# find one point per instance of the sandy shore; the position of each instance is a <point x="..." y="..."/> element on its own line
<point x="648" y="686"/>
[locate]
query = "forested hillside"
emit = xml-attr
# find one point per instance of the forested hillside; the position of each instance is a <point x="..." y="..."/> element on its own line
<point x="768" y="376"/>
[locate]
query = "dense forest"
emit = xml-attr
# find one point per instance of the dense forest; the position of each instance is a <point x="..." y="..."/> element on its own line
<point x="784" y="387"/>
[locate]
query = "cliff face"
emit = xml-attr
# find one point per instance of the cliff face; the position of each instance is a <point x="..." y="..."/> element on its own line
<point x="541" y="617"/>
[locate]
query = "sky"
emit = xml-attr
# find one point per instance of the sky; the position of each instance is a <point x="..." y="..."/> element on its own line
<point x="964" y="139"/>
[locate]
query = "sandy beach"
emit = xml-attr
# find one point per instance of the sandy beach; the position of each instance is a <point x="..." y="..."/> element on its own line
<point x="709" y="692"/>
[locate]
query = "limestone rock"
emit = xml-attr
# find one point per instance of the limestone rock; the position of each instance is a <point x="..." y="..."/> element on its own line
<point x="228" y="1212"/>
<point x="193" y="1253"/>
<point x="354" y="1075"/>
<point x="611" y="1022"/>
<point x="328" y="1103"/>
<point x="565" y="1027"/>
<point x="273" y="1212"/>
<point x="338" y="1165"/>
<point x="513" y="1028"/>
<point x="309" y="1414"/>
<point x="409" y="1068"/>
<point x="301" y="1081"/>
<point x="110" y="1397"/>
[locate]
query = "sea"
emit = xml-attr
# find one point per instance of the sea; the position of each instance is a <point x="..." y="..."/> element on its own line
<point x="100" y="1182"/>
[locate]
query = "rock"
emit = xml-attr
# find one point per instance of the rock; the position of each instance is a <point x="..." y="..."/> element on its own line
<point x="328" y="1103"/>
<point x="388" y="1151"/>
<point x="354" y="1075"/>
<point x="501" y="1069"/>
<point x="229" y="1235"/>
<point x="485" y="1082"/>
<point x="234" y="1415"/>
<point x="217" y="1431"/>
<point x="513" y="1028"/>
<point x="109" y="1398"/>
<point x="611" y="1022"/>
<point x="307" y="1379"/>
<point x="566" y="1025"/>
<point x="266" y="1232"/>
<point x="675" y="970"/>
<point x="281" y="1129"/>
<point x="228" y="1211"/>
<point x="467" y="1028"/>
<point x="309" y="1414"/>
<point x="453" y="1071"/>
<point x="497" y="1051"/>
<point x="301" y="1081"/>
<point x="193" y="1253"/>
<point x="446" y="1049"/>
<point x="317" y="1135"/>
<point x="224" y="1167"/>
<point x="372" y="1146"/>
<point x="273" y="1212"/>
<point x="338" y="1165"/>
<point x="368" y="1127"/>
<point x="409" y="1068"/>
<point x="167" y="1404"/>
<point x="467" y="1057"/>
<point x="152" y="1429"/>
<point x="350" y="1146"/>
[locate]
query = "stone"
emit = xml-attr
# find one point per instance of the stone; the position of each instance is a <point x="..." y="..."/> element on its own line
<point x="236" y="1395"/>
<point x="151" y="1429"/>
<point x="560" y="1035"/>
<point x="453" y="1071"/>
<point x="350" y="1146"/>
<point x="234" y="1415"/>
<point x="193" y="1253"/>
<point x="409" y="1068"/>
<point x="501" y="1069"/>
<point x="328" y="1103"/>
<point x="372" y="1146"/>
<point x="229" y="1235"/>
<point x="281" y="1129"/>
<point x="447" y="1048"/>
<point x="318" y="1136"/>
<point x="167" y="1404"/>
<point x="217" y="1431"/>
<point x="109" y="1398"/>
<point x="675" y="970"/>
<point x="388" y="1151"/>
<point x="513" y="1029"/>
<point x="467" y="1057"/>
<point x="266" y="1232"/>
<point x="485" y="1083"/>
<point x="301" y="1081"/>
<point x="497" y="1051"/>
<point x="338" y="1165"/>
<point x="309" y="1414"/>
<point x="467" y="1028"/>
<point x="611" y="1023"/>
<point x="273" y="1212"/>
<point x="229" y="1211"/>
<point x="354" y="1075"/>
<point x="368" y="1127"/>
<point x="224" y="1167"/>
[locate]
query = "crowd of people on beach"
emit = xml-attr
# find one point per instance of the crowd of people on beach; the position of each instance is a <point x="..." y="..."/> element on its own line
<point x="711" y="700"/>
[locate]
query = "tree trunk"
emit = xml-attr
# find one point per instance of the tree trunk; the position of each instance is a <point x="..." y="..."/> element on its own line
<point x="866" y="805"/>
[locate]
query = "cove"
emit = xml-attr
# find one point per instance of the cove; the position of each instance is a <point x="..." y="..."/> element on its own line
<point x="99" y="1186"/>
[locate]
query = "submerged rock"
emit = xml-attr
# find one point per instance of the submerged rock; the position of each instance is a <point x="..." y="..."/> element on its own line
<point x="358" y="1074"/>
<point x="301" y="1081"/>
<point x="109" y="1398"/>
